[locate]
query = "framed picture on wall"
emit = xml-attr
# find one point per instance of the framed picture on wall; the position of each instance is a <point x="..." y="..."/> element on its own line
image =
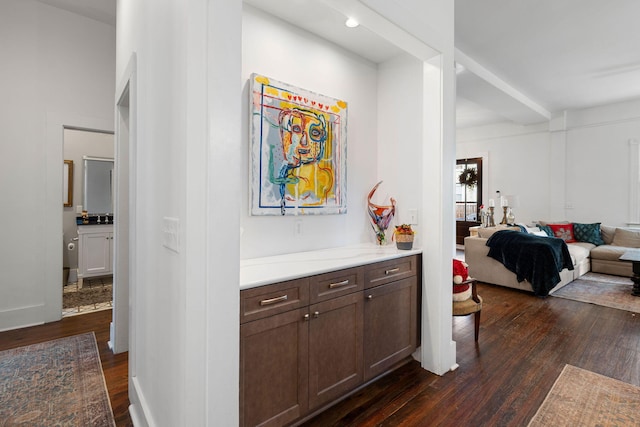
<point x="298" y="150"/>
<point x="67" y="186"/>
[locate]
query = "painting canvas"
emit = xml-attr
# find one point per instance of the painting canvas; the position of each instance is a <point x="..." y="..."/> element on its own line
<point x="298" y="149"/>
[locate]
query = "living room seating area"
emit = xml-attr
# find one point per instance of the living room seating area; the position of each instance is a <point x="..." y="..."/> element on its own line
<point x="591" y="247"/>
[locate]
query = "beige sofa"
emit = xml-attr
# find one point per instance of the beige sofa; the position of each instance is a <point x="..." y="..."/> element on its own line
<point x="585" y="257"/>
<point x="488" y="270"/>
<point x="617" y="240"/>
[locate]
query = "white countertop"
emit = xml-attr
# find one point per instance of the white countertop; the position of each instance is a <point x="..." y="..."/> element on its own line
<point x="273" y="269"/>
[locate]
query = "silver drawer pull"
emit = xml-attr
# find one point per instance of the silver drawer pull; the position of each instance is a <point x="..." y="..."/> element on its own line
<point x="338" y="284"/>
<point x="393" y="270"/>
<point x="274" y="300"/>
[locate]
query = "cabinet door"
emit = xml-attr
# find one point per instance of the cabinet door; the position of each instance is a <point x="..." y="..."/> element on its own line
<point x="274" y="369"/>
<point x="335" y="348"/>
<point x="390" y="319"/>
<point x="96" y="254"/>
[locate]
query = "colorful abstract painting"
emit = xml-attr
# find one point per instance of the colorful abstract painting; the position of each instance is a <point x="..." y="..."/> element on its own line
<point x="298" y="148"/>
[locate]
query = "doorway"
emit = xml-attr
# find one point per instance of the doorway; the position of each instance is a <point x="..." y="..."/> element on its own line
<point x="468" y="197"/>
<point x="81" y="295"/>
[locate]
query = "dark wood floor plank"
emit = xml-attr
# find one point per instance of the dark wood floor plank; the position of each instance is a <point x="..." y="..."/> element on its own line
<point x="525" y="341"/>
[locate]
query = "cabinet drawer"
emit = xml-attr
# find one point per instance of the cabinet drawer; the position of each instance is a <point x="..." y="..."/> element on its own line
<point x="389" y="271"/>
<point x="264" y="301"/>
<point x="335" y="284"/>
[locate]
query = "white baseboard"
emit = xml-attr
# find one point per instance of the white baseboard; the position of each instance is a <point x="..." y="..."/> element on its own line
<point x="139" y="409"/>
<point x="135" y="415"/>
<point x="110" y="343"/>
<point x="22" y="317"/>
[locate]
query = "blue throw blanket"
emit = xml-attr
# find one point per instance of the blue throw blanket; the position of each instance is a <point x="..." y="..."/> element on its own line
<point x="537" y="259"/>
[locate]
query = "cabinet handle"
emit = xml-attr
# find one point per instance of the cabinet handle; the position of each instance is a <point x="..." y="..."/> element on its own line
<point x="392" y="270"/>
<point x="369" y="297"/>
<point x="338" y="284"/>
<point x="316" y="314"/>
<point x="306" y="317"/>
<point x="274" y="300"/>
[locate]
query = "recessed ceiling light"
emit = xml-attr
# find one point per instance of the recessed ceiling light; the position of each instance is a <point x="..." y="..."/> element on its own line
<point x="351" y="23"/>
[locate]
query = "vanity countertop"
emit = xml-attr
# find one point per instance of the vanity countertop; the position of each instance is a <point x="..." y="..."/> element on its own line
<point x="273" y="269"/>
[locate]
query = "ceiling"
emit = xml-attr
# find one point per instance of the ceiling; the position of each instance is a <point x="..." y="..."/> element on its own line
<point x="558" y="54"/>
<point x="520" y="61"/>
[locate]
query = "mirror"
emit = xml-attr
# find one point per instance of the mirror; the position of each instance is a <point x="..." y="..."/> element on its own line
<point x="67" y="185"/>
<point x="98" y="185"/>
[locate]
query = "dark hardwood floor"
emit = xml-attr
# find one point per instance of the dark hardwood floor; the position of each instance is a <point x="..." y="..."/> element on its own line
<point x="115" y="366"/>
<point x="524" y="343"/>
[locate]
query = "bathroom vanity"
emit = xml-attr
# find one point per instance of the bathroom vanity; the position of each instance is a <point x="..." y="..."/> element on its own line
<point x="95" y="251"/>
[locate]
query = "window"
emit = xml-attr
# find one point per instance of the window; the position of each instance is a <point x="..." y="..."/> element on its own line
<point x="468" y="179"/>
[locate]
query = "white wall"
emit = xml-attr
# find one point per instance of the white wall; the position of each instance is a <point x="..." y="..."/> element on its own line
<point x="590" y="183"/>
<point x="399" y="129"/>
<point x="514" y="164"/>
<point x="57" y="69"/>
<point x="183" y="367"/>
<point x="269" y="47"/>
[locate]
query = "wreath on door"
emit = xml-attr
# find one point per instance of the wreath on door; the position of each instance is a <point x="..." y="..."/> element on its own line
<point x="468" y="177"/>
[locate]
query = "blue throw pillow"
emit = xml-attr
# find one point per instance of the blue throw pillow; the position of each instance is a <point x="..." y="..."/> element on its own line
<point x="589" y="233"/>
<point x="546" y="229"/>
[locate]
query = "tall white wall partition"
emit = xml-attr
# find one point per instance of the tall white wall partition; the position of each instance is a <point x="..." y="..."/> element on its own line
<point x="57" y="71"/>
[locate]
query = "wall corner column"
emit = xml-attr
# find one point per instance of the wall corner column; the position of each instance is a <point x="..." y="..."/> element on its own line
<point x="634" y="182"/>
<point x="557" y="166"/>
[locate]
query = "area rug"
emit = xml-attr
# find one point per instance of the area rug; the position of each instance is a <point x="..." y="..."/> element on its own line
<point x="95" y="294"/>
<point x="55" y="383"/>
<point x="602" y="289"/>
<point x="584" y="398"/>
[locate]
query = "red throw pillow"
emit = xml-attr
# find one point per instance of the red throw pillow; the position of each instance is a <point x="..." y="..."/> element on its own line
<point x="563" y="231"/>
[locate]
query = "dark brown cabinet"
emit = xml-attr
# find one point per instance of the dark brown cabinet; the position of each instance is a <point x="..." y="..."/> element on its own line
<point x="274" y="369"/>
<point x="305" y="343"/>
<point x="390" y="317"/>
<point x="335" y="348"/>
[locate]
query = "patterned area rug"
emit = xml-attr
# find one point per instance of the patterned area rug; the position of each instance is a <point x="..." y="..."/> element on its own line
<point x="95" y="294"/>
<point x="55" y="383"/>
<point x="584" y="398"/>
<point x="602" y="289"/>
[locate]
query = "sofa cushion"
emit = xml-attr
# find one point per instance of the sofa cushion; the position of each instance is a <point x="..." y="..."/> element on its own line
<point x="608" y="252"/>
<point x="579" y="251"/>
<point x="626" y="238"/>
<point x="589" y="233"/>
<point x="563" y="231"/>
<point x="607" y="232"/>
<point x="488" y="231"/>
